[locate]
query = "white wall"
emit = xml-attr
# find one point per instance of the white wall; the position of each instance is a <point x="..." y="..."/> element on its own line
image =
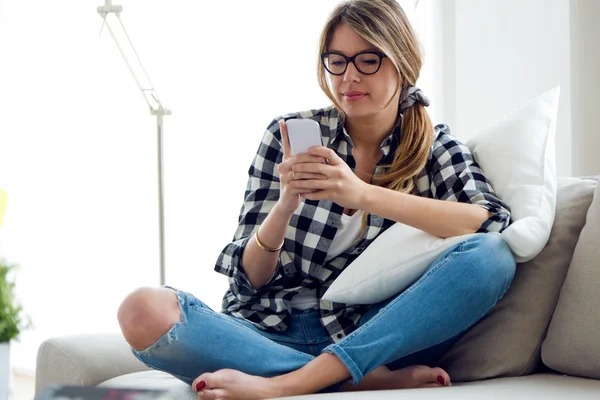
<point x="427" y="21"/>
<point x="585" y="85"/>
<point x="78" y="145"/>
<point x="506" y="52"/>
<point x="498" y="54"/>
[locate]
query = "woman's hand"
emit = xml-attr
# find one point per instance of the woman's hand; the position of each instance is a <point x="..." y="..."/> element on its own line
<point x="339" y="184"/>
<point x="291" y="197"/>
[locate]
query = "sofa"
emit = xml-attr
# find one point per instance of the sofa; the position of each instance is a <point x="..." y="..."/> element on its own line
<point x="542" y="340"/>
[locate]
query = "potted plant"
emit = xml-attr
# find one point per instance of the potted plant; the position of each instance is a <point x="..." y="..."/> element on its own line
<point x="12" y="321"/>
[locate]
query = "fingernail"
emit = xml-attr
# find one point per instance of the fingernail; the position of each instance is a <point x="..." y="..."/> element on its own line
<point x="200" y="385"/>
<point x="441" y="380"/>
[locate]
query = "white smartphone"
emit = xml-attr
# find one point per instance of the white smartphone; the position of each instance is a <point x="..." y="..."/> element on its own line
<point x="303" y="133"/>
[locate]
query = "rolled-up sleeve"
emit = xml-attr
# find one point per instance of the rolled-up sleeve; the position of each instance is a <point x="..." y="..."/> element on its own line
<point x="456" y="176"/>
<point x="262" y="193"/>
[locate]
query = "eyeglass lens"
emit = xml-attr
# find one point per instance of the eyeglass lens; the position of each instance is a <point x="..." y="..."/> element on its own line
<point x="366" y="63"/>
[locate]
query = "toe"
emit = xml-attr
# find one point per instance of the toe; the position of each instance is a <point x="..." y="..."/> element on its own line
<point x="201" y="382"/>
<point x="211" y="394"/>
<point x="439" y="372"/>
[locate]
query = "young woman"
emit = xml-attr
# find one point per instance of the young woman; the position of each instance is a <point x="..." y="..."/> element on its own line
<point x="304" y="220"/>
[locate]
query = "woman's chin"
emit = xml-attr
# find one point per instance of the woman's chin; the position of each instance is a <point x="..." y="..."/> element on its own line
<point x="353" y="111"/>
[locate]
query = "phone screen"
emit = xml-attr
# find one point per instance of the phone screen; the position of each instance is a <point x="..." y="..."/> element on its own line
<point x="303" y="133"/>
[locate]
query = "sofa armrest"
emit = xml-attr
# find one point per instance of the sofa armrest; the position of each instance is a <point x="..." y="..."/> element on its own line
<point x="84" y="360"/>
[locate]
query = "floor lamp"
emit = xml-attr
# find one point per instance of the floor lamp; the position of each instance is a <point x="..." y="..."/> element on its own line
<point x="111" y="16"/>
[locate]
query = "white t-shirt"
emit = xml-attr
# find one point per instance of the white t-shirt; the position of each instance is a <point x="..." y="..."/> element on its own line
<point x="346" y="235"/>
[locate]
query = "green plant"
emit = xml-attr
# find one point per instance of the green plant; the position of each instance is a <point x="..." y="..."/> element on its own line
<point x="12" y="319"/>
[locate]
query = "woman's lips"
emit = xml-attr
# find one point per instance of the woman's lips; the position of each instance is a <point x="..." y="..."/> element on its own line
<point x="350" y="97"/>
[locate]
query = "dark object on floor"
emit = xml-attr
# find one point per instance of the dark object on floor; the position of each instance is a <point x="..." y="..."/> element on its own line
<point x="96" y="393"/>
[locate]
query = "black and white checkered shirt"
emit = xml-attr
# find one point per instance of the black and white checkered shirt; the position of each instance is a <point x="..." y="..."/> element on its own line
<point x="450" y="174"/>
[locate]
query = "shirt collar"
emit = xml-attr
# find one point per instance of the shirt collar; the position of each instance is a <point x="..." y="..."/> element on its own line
<point x="336" y="124"/>
<point x="389" y="144"/>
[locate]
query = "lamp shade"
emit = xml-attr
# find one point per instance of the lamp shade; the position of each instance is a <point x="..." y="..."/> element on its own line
<point x="112" y="20"/>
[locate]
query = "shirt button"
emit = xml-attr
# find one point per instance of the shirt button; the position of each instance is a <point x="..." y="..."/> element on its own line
<point x="339" y="336"/>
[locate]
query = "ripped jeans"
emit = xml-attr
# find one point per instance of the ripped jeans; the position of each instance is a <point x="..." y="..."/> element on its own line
<point x="413" y="328"/>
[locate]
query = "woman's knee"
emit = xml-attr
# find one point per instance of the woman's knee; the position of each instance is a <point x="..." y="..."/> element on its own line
<point x="146" y="314"/>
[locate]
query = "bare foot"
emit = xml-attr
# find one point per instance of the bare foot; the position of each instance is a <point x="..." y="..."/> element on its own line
<point x="415" y="376"/>
<point x="232" y="384"/>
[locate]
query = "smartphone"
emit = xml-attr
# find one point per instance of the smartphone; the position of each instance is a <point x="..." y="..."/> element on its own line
<point x="303" y="133"/>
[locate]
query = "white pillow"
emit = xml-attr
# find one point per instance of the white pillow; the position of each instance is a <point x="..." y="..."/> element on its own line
<point x="516" y="154"/>
<point x="380" y="273"/>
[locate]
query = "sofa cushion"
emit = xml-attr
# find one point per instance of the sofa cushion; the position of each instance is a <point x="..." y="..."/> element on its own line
<point x="83" y="360"/>
<point x="507" y="341"/>
<point x="572" y="343"/>
<point x="177" y="389"/>
<point x="538" y="386"/>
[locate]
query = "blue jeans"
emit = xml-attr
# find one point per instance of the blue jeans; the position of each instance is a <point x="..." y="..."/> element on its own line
<point x="415" y="327"/>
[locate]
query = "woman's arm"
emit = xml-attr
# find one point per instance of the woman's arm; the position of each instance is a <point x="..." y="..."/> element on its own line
<point x="241" y="259"/>
<point x="260" y="264"/>
<point x="269" y="204"/>
<point x="437" y="217"/>
<point x="455" y="197"/>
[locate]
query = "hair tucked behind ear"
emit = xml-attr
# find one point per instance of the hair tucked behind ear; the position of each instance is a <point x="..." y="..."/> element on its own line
<point x="384" y="24"/>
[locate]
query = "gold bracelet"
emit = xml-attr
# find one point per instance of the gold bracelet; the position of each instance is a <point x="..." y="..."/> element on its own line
<point x="262" y="246"/>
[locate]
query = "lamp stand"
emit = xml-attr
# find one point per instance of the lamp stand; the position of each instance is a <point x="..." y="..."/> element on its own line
<point x="151" y="97"/>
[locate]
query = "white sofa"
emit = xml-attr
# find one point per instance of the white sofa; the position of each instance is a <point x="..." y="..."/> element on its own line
<point x="541" y="341"/>
<point x="105" y="360"/>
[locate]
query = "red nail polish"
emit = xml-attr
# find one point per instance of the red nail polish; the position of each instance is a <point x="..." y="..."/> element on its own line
<point x="200" y="385"/>
<point x="441" y="380"/>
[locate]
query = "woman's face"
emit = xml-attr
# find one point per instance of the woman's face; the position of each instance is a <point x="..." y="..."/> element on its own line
<point x="358" y="94"/>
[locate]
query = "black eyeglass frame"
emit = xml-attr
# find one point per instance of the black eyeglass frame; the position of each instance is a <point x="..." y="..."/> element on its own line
<point x="349" y="60"/>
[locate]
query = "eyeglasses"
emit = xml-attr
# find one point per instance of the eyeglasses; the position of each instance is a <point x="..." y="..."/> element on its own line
<point x="367" y="62"/>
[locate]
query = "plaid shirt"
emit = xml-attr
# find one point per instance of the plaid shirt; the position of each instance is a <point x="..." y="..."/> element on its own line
<point x="451" y="173"/>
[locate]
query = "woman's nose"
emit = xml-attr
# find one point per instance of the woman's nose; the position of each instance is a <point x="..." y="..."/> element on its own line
<point x="351" y="74"/>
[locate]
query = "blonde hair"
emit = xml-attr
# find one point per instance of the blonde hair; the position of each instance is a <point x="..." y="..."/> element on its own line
<point x="384" y="25"/>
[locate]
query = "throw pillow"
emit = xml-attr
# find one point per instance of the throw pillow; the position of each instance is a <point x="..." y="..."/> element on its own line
<point x="571" y="346"/>
<point x="507" y="342"/>
<point x="516" y="154"/>
<point x="378" y="273"/>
